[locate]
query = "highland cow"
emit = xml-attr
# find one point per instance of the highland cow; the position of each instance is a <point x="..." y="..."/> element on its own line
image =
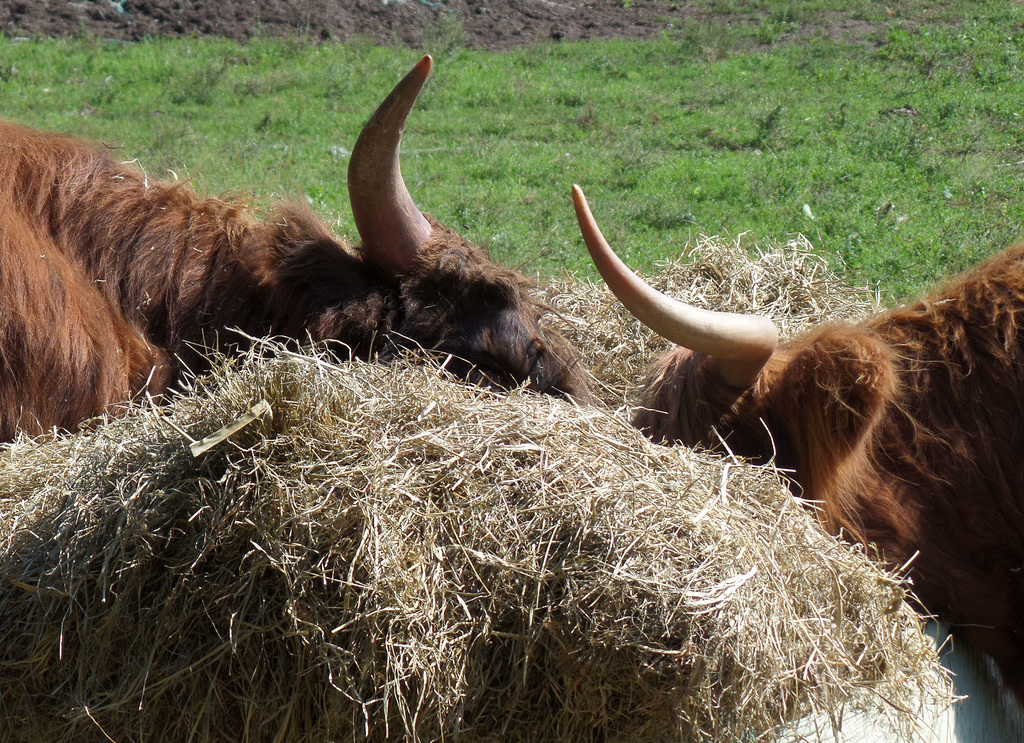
<point x="116" y="284"/>
<point x="906" y="430"/>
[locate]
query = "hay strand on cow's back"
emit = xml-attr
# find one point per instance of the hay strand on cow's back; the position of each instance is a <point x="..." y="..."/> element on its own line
<point x="394" y="556"/>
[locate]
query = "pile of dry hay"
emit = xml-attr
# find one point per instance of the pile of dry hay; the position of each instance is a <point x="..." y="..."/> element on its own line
<point x="393" y="556"/>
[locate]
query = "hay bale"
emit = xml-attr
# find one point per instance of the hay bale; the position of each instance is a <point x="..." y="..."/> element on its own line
<point x="395" y="556"/>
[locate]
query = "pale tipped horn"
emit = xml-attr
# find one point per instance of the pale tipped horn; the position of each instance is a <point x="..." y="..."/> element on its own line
<point x="390" y="226"/>
<point x="741" y="344"/>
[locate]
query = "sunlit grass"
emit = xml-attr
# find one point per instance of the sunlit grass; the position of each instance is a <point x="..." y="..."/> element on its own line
<point x="902" y="154"/>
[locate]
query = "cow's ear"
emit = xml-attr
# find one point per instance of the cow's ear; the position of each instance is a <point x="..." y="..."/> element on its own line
<point x="832" y="393"/>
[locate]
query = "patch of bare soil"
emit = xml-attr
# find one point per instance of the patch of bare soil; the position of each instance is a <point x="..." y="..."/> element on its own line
<point x="484" y="24"/>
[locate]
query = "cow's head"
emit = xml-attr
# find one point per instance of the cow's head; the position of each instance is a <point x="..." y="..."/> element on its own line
<point x="818" y="396"/>
<point x="478" y="317"/>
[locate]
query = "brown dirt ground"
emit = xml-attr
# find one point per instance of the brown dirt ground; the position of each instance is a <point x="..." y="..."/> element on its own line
<point x="483" y="24"/>
<point x="488" y="24"/>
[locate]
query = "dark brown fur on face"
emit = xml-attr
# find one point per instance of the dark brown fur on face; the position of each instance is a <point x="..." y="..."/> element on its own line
<point x="907" y="429"/>
<point x="114" y="283"/>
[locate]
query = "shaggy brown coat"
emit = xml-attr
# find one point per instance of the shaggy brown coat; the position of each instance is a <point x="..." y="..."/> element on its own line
<point x="114" y="284"/>
<point x="906" y="429"/>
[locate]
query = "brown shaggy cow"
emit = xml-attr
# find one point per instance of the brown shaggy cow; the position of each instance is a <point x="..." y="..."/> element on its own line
<point x="114" y="283"/>
<point x="906" y="428"/>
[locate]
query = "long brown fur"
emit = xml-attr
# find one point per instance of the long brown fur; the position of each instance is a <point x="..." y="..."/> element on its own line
<point x="113" y="284"/>
<point x="907" y="430"/>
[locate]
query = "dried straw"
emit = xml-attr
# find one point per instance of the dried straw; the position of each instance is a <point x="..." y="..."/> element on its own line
<point x="395" y="556"/>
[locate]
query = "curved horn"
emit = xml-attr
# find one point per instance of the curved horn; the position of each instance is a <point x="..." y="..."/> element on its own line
<point x="389" y="224"/>
<point x="742" y="344"/>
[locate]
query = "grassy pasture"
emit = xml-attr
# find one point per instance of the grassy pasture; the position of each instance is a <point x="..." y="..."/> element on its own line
<point x="897" y="146"/>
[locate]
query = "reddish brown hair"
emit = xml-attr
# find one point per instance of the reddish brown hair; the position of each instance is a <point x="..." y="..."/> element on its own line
<point x="116" y="283"/>
<point x="906" y="430"/>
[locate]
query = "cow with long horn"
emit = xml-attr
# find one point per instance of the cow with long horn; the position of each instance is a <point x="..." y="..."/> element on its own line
<point x="906" y="430"/>
<point x="114" y="283"/>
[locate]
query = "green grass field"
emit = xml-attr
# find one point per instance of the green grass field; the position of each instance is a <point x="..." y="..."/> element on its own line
<point x="898" y="148"/>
